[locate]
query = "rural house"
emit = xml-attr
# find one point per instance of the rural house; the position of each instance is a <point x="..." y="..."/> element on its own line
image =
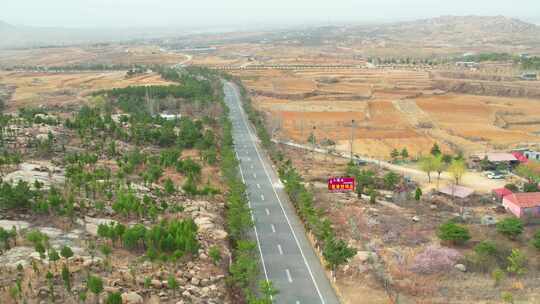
<point x="523" y="205"/>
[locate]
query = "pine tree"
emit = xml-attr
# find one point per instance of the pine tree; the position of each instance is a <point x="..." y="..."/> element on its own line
<point x="66" y="277"/>
<point x="95" y="285"/>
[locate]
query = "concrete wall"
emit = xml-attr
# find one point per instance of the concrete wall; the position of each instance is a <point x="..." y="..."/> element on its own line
<point x="531" y="212"/>
<point x="508" y="205"/>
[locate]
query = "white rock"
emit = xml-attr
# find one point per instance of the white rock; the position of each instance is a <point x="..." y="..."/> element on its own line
<point x="91" y="224"/>
<point x="364" y="256"/>
<point x="19" y="225"/>
<point x="204" y="223"/>
<point x="219" y="234"/>
<point x="460" y="267"/>
<point x="131" y="298"/>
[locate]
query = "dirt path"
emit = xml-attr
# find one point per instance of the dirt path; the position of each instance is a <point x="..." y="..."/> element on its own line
<point x="472" y="180"/>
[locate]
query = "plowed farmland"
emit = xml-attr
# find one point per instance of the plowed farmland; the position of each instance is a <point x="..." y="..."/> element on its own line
<point x="391" y="109"/>
<point x="60" y="89"/>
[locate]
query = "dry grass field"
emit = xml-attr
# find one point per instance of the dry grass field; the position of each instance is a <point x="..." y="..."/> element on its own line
<point x="391" y="108"/>
<point x="59" y="89"/>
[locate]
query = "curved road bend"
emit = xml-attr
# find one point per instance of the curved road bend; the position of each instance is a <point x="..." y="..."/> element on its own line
<point x="288" y="260"/>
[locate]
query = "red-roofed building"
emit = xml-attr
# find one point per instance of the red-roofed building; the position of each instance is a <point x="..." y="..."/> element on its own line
<point x="520" y="157"/>
<point x="525" y="204"/>
<point x="497" y="157"/>
<point x="502" y="192"/>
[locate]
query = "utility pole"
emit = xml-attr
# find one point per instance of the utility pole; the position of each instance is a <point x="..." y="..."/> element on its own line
<point x="352" y="138"/>
<point x="302" y="130"/>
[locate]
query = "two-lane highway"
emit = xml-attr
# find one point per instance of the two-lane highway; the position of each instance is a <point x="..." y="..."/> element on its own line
<point x="287" y="258"/>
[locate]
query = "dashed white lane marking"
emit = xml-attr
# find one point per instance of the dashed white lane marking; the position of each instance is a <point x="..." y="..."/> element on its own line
<point x="254" y="175"/>
<point x="273" y="228"/>
<point x="288" y="275"/>
<point x="280" y="249"/>
<point x="262" y="197"/>
<point x="251" y="166"/>
<point x="267" y="211"/>
<point x="297" y="302"/>
<point x="259" y="186"/>
<point x="255" y="229"/>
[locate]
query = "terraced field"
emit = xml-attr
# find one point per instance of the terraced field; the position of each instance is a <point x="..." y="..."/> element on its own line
<point x="391" y="109"/>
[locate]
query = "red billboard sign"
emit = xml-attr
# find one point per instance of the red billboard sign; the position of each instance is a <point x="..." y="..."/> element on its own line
<point x="340" y="183"/>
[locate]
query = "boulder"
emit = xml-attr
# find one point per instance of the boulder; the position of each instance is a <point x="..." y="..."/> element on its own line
<point x="219" y="234"/>
<point x="488" y="220"/>
<point x="365" y="256"/>
<point x="131" y="298"/>
<point x="204" y="223"/>
<point x="460" y="267"/>
<point x="111" y="289"/>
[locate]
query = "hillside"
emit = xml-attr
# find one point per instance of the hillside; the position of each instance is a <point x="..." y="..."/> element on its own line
<point x="463" y="30"/>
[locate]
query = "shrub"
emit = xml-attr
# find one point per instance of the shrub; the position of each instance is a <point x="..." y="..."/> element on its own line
<point x="536" y="239"/>
<point x="530" y="187"/>
<point x="372" y="196"/>
<point x="507" y="297"/>
<point x="337" y="252"/>
<point x="66" y="252"/>
<point x="497" y="275"/>
<point x="511" y="227"/>
<point x="169" y="187"/>
<point x="485" y="248"/>
<point x="484" y="257"/>
<point x="114" y="298"/>
<point x="390" y="180"/>
<point x="517" y="262"/>
<point x="512" y="187"/>
<point x="215" y="254"/>
<point x="418" y="194"/>
<point x="453" y="233"/>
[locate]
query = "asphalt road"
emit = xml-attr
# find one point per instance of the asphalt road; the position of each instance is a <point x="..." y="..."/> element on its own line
<point x="288" y="260"/>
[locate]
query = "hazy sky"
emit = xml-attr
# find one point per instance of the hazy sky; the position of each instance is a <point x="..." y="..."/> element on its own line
<point x="125" y="13"/>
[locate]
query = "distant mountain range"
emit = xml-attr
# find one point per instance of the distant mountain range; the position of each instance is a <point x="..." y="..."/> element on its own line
<point x="444" y="30"/>
<point x="12" y="36"/>
<point x="460" y="30"/>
